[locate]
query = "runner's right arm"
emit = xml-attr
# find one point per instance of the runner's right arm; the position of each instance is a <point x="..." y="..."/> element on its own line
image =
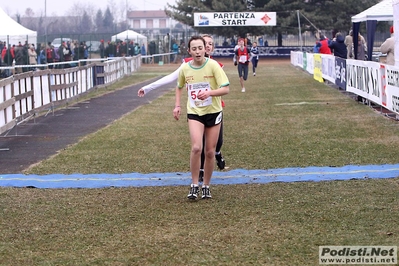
<point x="160" y="82"/>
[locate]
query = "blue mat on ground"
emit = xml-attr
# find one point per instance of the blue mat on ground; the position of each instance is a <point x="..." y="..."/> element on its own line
<point x="237" y="176"/>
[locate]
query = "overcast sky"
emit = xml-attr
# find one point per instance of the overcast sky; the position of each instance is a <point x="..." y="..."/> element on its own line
<point x="11" y="7"/>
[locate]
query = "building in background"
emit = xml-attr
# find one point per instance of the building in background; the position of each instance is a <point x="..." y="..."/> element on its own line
<point x="155" y="23"/>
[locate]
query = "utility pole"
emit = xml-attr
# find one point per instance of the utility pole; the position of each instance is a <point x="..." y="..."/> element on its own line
<point x="127" y="24"/>
<point x="45" y="30"/>
<point x="299" y="29"/>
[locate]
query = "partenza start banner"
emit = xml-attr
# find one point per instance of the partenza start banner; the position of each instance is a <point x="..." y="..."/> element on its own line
<point x="216" y="19"/>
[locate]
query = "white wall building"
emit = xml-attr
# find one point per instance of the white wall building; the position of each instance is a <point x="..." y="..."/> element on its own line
<point x="150" y="21"/>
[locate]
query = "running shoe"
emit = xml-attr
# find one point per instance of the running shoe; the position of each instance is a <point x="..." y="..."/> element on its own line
<point x="193" y="194"/>
<point x="206" y="193"/>
<point x="201" y="176"/>
<point x="220" y="161"/>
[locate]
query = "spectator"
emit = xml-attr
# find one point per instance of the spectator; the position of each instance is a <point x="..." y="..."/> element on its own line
<point x="316" y="47"/>
<point x="19" y="57"/>
<point x="26" y="56"/>
<point x="102" y="49"/>
<point x="75" y="51"/>
<point x="143" y="53"/>
<point x="388" y="47"/>
<point x="123" y="49"/>
<point x="338" y="46"/>
<point x="56" y="57"/>
<point x="79" y="51"/>
<point x="361" y="48"/>
<point x="323" y="45"/>
<point x="166" y="46"/>
<point x="183" y="50"/>
<point x="7" y="59"/>
<point x="260" y="40"/>
<point x="86" y="51"/>
<point x="32" y="56"/>
<point x="152" y="47"/>
<point x="131" y="48"/>
<point x="233" y="42"/>
<point x="61" y="54"/>
<point x="50" y="54"/>
<point x="175" y="51"/>
<point x="68" y="52"/>
<point x="247" y="42"/>
<point x="12" y="51"/>
<point x="349" y="43"/>
<point x="41" y="58"/>
<point x="3" y="52"/>
<point x="106" y="50"/>
<point x="117" y="46"/>
<point x="111" y="49"/>
<point x="137" y="49"/>
<point x="161" y="51"/>
<point x="279" y="39"/>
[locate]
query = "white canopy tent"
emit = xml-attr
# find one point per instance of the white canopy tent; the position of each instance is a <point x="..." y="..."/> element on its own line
<point x="383" y="11"/>
<point x="12" y="32"/>
<point x="131" y="36"/>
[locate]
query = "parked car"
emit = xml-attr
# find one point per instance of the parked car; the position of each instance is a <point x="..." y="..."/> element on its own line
<point x="57" y="41"/>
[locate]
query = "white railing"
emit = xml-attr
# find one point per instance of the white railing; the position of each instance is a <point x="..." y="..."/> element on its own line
<point x="25" y="95"/>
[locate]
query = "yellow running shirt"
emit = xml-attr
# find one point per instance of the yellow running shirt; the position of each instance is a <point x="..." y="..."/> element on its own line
<point x="209" y="76"/>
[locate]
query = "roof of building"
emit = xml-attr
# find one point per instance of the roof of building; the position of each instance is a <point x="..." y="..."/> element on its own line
<point x="147" y="14"/>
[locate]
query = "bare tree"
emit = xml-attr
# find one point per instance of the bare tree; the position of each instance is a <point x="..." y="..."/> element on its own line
<point x="114" y="10"/>
<point x="29" y="19"/>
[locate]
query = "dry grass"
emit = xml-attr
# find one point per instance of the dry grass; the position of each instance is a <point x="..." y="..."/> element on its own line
<point x="273" y="224"/>
<point x="285" y="119"/>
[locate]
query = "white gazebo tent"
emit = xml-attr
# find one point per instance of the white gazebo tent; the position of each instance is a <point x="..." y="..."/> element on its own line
<point x="383" y="11"/>
<point x="12" y="32"/>
<point x="131" y="36"/>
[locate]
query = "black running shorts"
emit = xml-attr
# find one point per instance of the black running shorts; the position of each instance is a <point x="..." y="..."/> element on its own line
<point x="209" y="120"/>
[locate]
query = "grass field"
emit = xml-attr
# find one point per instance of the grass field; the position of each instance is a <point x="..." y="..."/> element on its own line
<point x="284" y="119"/>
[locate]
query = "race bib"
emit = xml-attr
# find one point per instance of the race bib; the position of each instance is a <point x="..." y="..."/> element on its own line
<point x="242" y="59"/>
<point x="193" y="90"/>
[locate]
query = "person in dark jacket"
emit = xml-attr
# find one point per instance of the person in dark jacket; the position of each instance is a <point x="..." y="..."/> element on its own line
<point x="50" y="54"/>
<point x="102" y="49"/>
<point x="338" y="46"/>
<point x="19" y="57"/>
<point x="7" y="59"/>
